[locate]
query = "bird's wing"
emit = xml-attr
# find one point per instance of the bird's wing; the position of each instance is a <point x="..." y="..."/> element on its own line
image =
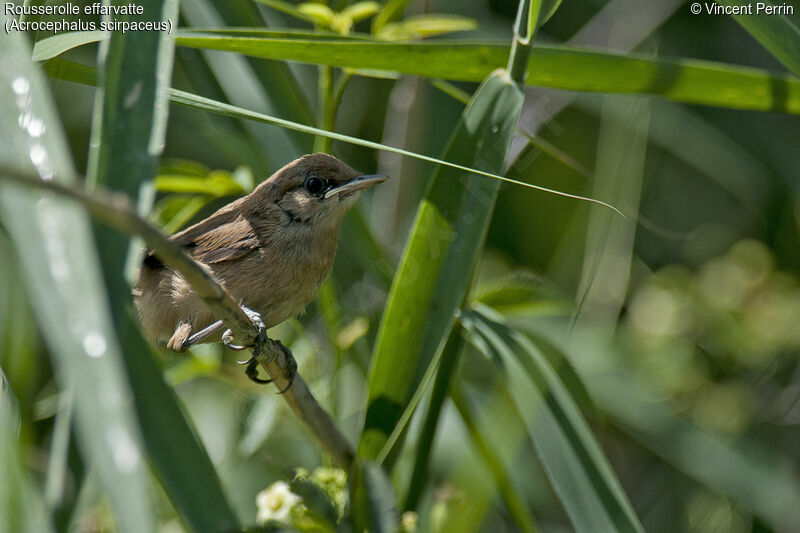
<point x="225" y="242"/>
<point x="224" y="236"/>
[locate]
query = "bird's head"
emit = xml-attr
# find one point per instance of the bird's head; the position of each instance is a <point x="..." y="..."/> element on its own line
<point x="316" y="188"/>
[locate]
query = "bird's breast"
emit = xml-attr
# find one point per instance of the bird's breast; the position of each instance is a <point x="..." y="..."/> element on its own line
<point x="285" y="277"/>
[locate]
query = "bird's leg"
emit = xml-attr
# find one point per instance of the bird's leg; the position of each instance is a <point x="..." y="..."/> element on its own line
<point x="200" y="335"/>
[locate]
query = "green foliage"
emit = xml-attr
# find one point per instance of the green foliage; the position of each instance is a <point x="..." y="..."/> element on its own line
<point x="554" y="66"/>
<point x="59" y="259"/>
<point x="523" y="363"/>
<point x="448" y="232"/>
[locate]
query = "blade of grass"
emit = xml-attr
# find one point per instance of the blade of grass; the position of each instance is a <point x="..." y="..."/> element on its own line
<point x="536" y="141"/>
<point x="440" y="254"/>
<point x="128" y="137"/>
<point x="570" y="455"/>
<point x="567" y="67"/>
<point x="373" y="499"/>
<point x="241" y="86"/>
<point x="555" y="66"/>
<point x="502" y="476"/>
<point x="21" y="509"/>
<point x="425" y="442"/>
<point x="51" y="47"/>
<point x="70" y="71"/>
<point x="271" y="81"/>
<point x="20" y="353"/>
<point x="776" y="32"/>
<point x="446" y="237"/>
<point x="609" y="241"/>
<point x="59" y="263"/>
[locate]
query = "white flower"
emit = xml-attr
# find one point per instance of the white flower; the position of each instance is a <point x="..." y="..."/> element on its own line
<point x="275" y="503"/>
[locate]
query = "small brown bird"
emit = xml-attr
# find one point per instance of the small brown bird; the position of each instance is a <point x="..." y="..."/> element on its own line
<point x="272" y="249"/>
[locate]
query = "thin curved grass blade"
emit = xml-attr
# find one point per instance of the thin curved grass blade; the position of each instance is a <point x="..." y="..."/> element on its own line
<point x="70" y="71"/>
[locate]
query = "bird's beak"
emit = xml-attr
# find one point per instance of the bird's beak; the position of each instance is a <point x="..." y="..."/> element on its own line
<point x="356" y="184"/>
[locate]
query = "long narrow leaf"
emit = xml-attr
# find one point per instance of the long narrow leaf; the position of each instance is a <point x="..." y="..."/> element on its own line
<point x="21" y="509"/>
<point x="373" y="499"/>
<point x="571" y="456"/>
<point x="128" y="138"/>
<point x="67" y="70"/>
<point x="439" y="257"/>
<point x="54" y="244"/>
<point x="502" y="474"/>
<point x="609" y="240"/>
<point x="555" y="66"/>
<point x="774" y="30"/>
<point x="253" y="83"/>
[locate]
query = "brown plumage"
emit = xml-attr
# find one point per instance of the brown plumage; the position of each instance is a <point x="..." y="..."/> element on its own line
<point x="272" y="249"/>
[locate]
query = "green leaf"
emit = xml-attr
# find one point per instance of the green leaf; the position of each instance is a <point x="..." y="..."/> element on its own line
<point x="442" y="249"/>
<point x="51" y="47"/>
<point x="776" y="32"/>
<point x="9" y="401"/>
<point x="360" y="11"/>
<point x="21" y="509"/>
<point x="451" y="354"/>
<point x="504" y="481"/>
<point x="373" y="501"/>
<point x="55" y="247"/>
<point x="287" y="8"/>
<point x="549" y="9"/>
<point x="317" y="503"/>
<point x="216" y="184"/>
<point x="555" y="66"/>
<point x="392" y="10"/>
<point x="319" y="13"/>
<point x="265" y="85"/>
<point x="423" y="26"/>
<point x="572" y="458"/>
<point x="127" y="140"/>
<point x="66" y="70"/>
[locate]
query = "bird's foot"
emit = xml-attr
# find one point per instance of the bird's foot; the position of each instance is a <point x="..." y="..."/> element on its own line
<point x="291" y="365"/>
<point x="258" y="347"/>
<point x="252" y="371"/>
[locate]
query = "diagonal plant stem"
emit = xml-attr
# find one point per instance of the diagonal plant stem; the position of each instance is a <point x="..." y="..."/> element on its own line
<point x="116" y="211"/>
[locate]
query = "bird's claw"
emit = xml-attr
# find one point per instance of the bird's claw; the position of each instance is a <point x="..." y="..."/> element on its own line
<point x="258" y="347"/>
<point x="227" y="340"/>
<point x="252" y="372"/>
<point x="291" y="365"/>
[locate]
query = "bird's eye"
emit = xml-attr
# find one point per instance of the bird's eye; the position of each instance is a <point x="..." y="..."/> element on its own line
<point x="314" y="185"/>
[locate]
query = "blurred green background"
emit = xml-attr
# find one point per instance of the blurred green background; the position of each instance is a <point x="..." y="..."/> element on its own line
<point x="674" y="330"/>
